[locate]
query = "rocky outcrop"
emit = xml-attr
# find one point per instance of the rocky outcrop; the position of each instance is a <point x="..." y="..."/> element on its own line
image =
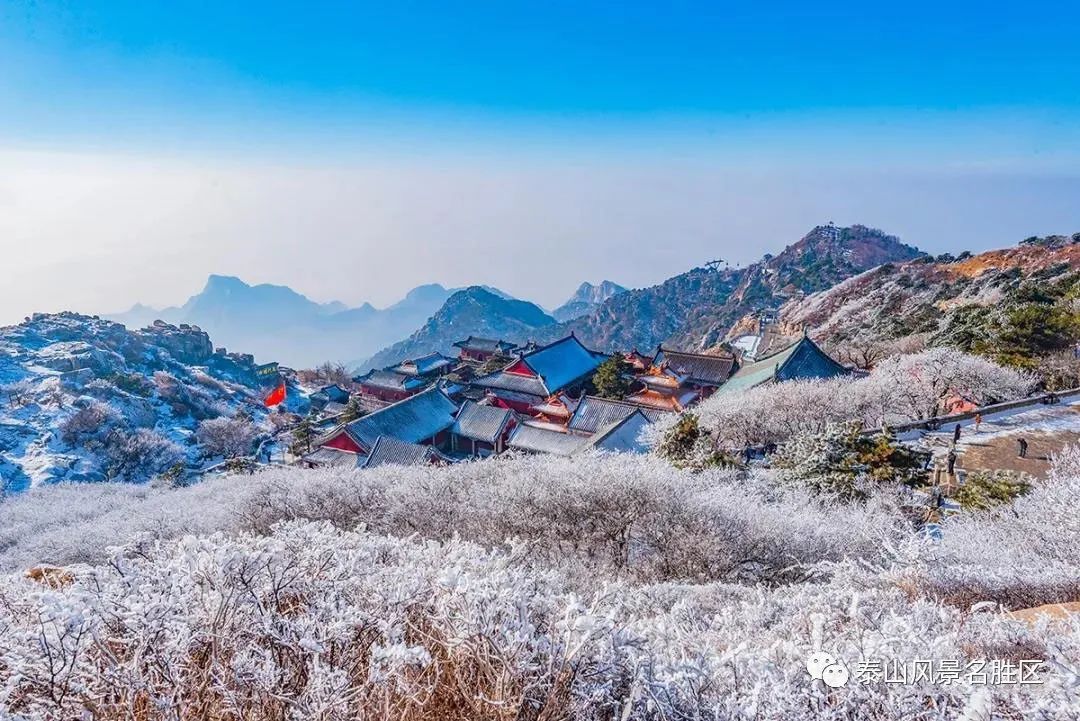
<point x="136" y="396"/>
<point x="186" y="343"/>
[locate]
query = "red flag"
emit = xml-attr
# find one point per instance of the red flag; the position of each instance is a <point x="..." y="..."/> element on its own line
<point x="276" y="396"/>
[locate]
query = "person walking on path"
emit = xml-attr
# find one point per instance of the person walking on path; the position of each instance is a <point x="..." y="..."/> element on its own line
<point x="956" y="434"/>
<point x="951" y="459"/>
<point x="978" y="421"/>
<point x="1023" y="446"/>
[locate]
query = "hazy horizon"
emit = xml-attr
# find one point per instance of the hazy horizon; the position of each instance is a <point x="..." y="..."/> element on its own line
<point x="354" y="153"/>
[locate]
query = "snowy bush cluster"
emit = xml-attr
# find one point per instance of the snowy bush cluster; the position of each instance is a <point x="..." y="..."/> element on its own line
<point x="900" y="388"/>
<point x="616" y="514"/>
<point x="607" y="587"/>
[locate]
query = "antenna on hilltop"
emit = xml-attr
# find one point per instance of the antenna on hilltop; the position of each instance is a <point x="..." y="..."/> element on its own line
<point x="715" y="264"/>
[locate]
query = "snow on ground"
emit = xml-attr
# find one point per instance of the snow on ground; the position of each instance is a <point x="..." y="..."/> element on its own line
<point x="1047" y="428"/>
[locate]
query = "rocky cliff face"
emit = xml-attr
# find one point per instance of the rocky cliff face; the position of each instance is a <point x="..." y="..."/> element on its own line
<point x="185" y="343"/>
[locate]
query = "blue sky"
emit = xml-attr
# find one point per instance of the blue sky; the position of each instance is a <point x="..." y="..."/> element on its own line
<point x="119" y="71"/>
<point x="956" y="125"/>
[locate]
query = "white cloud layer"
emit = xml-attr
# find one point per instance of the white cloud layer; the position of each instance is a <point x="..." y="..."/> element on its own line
<point x="96" y="233"/>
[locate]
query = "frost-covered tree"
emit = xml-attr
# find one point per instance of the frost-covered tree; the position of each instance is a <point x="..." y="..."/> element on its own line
<point x="844" y="462"/>
<point x="918" y="385"/>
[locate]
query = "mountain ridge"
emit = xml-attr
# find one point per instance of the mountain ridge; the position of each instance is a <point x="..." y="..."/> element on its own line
<point x="472" y="311"/>
<point x="695" y="309"/>
<point x="979" y="302"/>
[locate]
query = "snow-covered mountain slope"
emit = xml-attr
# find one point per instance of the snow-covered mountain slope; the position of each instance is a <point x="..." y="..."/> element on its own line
<point x="85" y="399"/>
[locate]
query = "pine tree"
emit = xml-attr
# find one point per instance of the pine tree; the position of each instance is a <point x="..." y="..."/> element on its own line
<point x="611" y="379"/>
<point x="353" y="410"/>
<point x="302" y="435"/>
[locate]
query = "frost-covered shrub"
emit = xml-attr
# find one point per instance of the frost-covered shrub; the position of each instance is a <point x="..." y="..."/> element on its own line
<point x="196" y="401"/>
<point x="91" y="426"/>
<point x="314" y="622"/>
<point x="1019" y="554"/>
<point x="610" y="513"/>
<point x="227" y="437"/>
<point x="843" y="462"/>
<point x="139" y="455"/>
<point x="535" y="588"/>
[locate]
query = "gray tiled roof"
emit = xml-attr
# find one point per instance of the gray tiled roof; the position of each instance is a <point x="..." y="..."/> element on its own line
<point x="481" y="423"/>
<point x="392" y="452"/>
<point x="389" y="379"/>
<point x="541" y="440"/>
<point x="333" y="457"/>
<point x="594" y="413"/>
<point x="487" y="345"/>
<point x="513" y="382"/>
<point x="699" y="368"/>
<point x="623" y="436"/>
<point x="424" y="365"/>
<point x="412" y="420"/>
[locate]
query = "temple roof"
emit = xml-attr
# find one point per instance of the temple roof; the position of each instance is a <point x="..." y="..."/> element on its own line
<point x="481" y="423"/>
<point x="674" y="402"/>
<point x="501" y="380"/>
<point x="541" y="440"/>
<point x="415" y="419"/>
<point x="699" y="368"/>
<point x="802" y="359"/>
<point x="334" y="458"/>
<point x="424" y="365"/>
<point x="487" y="345"/>
<point x="390" y="451"/>
<point x="390" y="379"/>
<point x="594" y="413"/>
<point x="622" y="436"/>
<point x="556" y="366"/>
<point x="333" y="392"/>
<point x="559" y="404"/>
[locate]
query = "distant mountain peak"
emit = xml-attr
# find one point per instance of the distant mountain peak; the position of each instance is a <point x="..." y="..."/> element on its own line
<point x="218" y="283"/>
<point x="586" y="298"/>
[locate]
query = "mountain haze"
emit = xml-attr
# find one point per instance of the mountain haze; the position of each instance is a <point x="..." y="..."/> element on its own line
<point x="276" y="323"/>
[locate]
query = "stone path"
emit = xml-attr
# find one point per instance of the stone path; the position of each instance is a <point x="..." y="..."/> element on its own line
<point x="1047" y="429"/>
